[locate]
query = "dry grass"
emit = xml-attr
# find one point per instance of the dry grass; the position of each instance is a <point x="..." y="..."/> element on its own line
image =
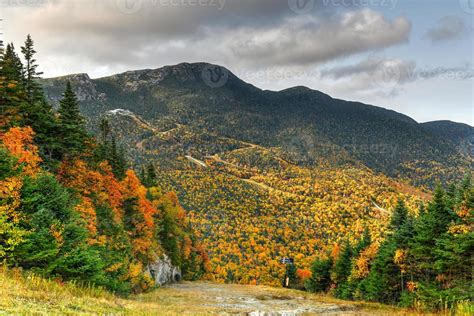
<point x="30" y="295"/>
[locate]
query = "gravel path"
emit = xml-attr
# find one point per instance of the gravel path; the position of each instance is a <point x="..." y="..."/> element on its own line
<point x="257" y="300"/>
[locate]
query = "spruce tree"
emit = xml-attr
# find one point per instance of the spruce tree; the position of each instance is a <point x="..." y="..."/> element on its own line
<point x="12" y="94"/>
<point x="342" y="270"/>
<point x="117" y="159"/>
<point x="399" y="215"/>
<point x="71" y="124"/>
<point x="382" y="282"/>
<point x="385" y="281"/>
<point x="364" y="242"/>
<point x="31" y="74"/>
<point x="430" y="226"/>
<point x="150" y="176"/>
<point x="320" y="279"/>
<point x="11" y="66"/>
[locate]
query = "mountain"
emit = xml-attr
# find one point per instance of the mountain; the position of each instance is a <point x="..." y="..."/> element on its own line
<point x="461" y="135"/>
<point x="266" y="174"/>
<point x="307" y="125"/>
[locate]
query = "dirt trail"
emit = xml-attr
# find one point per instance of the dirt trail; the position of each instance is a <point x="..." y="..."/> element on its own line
<point x="225" y="299"/>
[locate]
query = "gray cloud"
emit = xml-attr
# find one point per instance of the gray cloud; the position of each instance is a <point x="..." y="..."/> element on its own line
<point x="112" y="36"/>
<point x="315" y="40"/>
<point x="403" y="71"/>
<point x="447" y="28"/>
<point x="386" y="76"/>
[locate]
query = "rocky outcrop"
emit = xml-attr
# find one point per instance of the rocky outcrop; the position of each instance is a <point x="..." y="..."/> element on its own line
<point x="82" y="84"/>
<point x="164" y="272"/>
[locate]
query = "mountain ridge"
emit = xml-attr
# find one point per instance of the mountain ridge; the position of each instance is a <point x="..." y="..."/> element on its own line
<point x="289" y="91"/>
<point x="308" y="125"/>
<point x="292" y="172"/>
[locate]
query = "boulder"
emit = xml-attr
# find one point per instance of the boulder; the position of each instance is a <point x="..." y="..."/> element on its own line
<point x="164" y="272"/>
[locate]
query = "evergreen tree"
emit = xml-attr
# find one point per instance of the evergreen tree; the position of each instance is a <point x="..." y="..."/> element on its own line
<point x="11" y="66"/>
<point x="48" y="211"/>
<point x="117" y="159"/>
<point x="342" y="270"/>
<point x="320" y="279"/>
<point x="31" y="75"/>
<point x="382" y="281"/>
<point x="399" y="215"/>
<point x="23" y="101"/>
<point x="103" y="149"/>
<point x="385" y="281"/>
<point x="71" y="124"/>
<point x="428" y="227"/>
<point x="150" y="176"/>
<point x="364" y="242"/>
<point x="12" y="95"/>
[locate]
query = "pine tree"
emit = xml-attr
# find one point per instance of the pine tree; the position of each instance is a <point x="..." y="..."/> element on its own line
<point x="385" y="281"/>
<point x="150" y="176"/>
<point x="12" y="95"/>
<point x="428" y="227"/>
<point x="23" y="101"/>
<point x="399" y="216"/>
<point x="320" y="279"/>
<point x="11" y="66"/>
<point x="31" y="75"/>
<point x="71" y="124"/>
<point x="117" y="159"/>
<point x="382" y="281"/>
<point x="364" y="242"/>
<point x="342" y="270"/>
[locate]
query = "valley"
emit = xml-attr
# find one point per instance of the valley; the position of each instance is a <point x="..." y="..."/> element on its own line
<point x="269" y="174"/>
<point x="268" y="158"/>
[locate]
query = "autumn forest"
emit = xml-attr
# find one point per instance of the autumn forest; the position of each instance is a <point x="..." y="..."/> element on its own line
<point x="100" y="179"/>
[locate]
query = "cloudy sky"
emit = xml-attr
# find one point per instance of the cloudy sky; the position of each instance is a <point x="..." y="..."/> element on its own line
<point x="413" y="56"/>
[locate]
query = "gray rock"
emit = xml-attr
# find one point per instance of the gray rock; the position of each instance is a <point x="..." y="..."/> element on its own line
<point x="164" y="272"/>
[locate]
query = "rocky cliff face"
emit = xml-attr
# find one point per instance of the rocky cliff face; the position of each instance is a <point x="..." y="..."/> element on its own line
<point x="164" y="272"/>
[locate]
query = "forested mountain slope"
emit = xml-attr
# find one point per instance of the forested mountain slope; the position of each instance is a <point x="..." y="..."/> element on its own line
<point x="266" y="174"/>
<point x="307" y="125"/>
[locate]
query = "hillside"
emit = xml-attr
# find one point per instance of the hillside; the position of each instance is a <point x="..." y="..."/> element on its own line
<point x="461" y="135"/>
<point x="309" y="126"/>
<point x="266" y="174"/>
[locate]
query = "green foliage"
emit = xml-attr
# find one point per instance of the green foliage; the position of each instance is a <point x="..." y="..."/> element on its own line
<point x="382" y="280"/>
<point x="7" y="164"/>
<point x="10" y="236"/>
<point x="80" y="223"/>
<point x="364" y="242"/>
<point x="424" y="262"/>
<point x="71" y="124"/>
<point x="341" y="271"/>
<point x="320" y="279"/>
<point x="108" y="150"/>
<point x="30" y="72"/>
